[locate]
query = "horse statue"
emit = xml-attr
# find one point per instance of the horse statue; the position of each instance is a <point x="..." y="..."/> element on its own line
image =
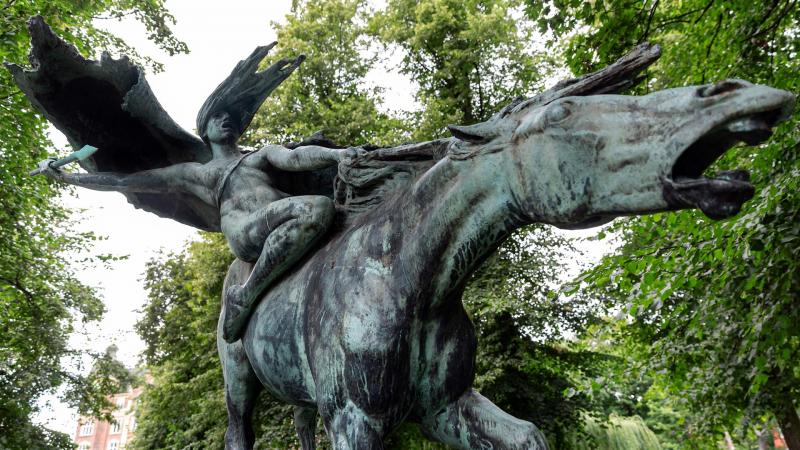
<point x="366" y="328"/>
<point x="369" y="330"/>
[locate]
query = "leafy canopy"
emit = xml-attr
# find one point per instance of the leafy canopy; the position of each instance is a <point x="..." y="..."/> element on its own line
<point x="715" y="302"/>
<point x="41" y="299"/>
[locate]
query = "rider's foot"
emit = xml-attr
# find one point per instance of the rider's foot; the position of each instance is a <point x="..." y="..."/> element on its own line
<point x="236" y="313"/>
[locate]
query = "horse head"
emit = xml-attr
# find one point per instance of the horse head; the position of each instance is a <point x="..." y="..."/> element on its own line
<point x="579" y="161"/>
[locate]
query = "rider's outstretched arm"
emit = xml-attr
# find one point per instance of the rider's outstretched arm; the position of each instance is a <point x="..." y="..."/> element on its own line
<point x="176" y="178"/>
<point x="307" y="157"/>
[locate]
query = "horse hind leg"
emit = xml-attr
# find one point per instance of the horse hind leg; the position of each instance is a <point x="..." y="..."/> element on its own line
<point x="473" y="422"/>
<point x="241" y="383"/>
<point x="305" y="422"/>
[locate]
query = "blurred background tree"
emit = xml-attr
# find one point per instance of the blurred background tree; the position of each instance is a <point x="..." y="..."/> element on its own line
<point x="41" y="300"/>
<point x="714" y="302"/>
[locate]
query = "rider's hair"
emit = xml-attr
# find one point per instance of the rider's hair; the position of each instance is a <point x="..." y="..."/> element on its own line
<point x="244" y="90"/>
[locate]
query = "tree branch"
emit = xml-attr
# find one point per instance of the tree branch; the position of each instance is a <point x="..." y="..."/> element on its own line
<point x="782" y="15"/>
<point x="764" y="18"/>
<point x="13" y="94"/>
<point x="711" y="42"/>
<point x="115" y="16"/>
<point x="680" y="17"/>
<point x="705" y="10"/>
<point x="649" y="22"/>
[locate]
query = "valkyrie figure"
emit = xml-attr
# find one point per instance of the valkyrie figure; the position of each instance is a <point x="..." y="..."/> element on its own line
<point x="272" y="204"/>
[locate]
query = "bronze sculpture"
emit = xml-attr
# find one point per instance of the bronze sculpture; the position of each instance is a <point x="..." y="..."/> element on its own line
<point x="367" y="329"/>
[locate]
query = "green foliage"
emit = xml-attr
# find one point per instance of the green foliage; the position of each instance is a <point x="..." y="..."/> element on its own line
<point x="618" y="433"/>
<point x="108" y="375"/>
<point x="327" y="93"/>
<point x="184" y="407"/>
<point x="469" y="58"/>
<point x="523" y="364"/>
<point x="715" y="302"/>
<point x="620" y="388"/>
<point x="41" y="300"/>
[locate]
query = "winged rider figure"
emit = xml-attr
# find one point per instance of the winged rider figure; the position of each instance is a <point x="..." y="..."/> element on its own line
<point x="262" y="224"/>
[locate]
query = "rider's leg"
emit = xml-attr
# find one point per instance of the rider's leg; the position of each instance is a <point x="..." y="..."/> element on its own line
<point x="305" y="422"/>
<point x="472" y="421"/>
<point x="241" y="384"/>
<point x="287" y="228"/>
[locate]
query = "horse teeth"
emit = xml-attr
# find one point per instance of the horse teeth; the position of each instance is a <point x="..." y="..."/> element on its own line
<point x="746" y="124"/>
<point x="733" y="175"/>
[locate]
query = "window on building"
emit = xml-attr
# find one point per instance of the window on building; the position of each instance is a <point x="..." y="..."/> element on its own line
<point x="113" y="445"/>
<point x="120" y="402"/>
<point x="87" y="428"/>
<point x="83" y="446"/>
<point x="132" y="424"/>
<point x="115" y="427"/>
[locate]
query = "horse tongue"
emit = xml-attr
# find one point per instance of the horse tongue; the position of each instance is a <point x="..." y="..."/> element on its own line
<point x="718" y="198"/>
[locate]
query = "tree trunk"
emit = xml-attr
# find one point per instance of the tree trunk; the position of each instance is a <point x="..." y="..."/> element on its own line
<point x="789" y="423"/>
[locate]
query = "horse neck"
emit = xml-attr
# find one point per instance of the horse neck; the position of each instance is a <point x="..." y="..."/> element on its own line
<point x="460" y="211"/>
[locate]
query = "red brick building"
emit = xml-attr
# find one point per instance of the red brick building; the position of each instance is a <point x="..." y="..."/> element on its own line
<point x="93" y="434"/>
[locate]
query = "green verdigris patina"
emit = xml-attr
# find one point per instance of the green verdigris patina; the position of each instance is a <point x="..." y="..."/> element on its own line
<point x="366" y="328"/>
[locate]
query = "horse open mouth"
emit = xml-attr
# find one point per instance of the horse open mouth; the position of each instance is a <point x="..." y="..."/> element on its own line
<point x="721" y="196"/>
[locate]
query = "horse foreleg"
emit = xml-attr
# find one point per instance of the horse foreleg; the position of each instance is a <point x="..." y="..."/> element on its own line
<point x="241" y="390"/>
<point x="305" y="422"/>
<point x="473" y="421"/>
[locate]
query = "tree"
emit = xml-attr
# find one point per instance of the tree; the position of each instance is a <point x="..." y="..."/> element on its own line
<point x="41" y="300"/>
<point x="328" y="92"/>
<point x="184" y="406"/>
<point x="715" y="301"/>
<point x="618" y="433"/>
<point x="468" y="58"/>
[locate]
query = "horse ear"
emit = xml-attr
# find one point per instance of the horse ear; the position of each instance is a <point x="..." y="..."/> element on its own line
<point x="479" y="133"/>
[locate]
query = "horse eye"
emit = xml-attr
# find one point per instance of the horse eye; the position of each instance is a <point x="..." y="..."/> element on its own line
<point x="557" y="113"/>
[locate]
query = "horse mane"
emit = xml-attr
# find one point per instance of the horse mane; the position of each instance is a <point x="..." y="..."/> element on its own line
<point x="367" y="181"/>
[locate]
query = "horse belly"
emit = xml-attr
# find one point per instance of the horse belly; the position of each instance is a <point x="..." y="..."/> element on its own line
<point x="275" y="347"/>
<point x="360" y="339"/>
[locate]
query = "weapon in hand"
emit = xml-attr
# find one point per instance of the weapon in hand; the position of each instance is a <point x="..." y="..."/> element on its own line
<point x="85" y="152"/>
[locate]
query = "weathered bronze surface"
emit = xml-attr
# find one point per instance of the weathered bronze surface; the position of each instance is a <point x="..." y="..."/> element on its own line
<point x="361" y="255"/>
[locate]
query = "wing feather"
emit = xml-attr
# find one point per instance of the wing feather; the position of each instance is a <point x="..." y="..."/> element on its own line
<point x="108" y="104"/>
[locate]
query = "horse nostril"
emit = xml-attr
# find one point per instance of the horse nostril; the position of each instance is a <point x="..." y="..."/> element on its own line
<point x="723" y="87"/>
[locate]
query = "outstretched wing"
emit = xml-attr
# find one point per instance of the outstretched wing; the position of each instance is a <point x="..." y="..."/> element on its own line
<point x="109" y="105"/>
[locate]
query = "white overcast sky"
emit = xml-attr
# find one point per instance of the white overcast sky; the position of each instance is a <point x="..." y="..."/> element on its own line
<point x="218" y="35"/>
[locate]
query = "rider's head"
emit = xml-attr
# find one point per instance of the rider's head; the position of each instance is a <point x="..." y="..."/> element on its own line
<point x="240" y="95"/>
<point x="222" y="128"/>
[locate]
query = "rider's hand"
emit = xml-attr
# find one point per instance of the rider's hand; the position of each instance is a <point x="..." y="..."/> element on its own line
<point x="48" y="171"/>
<point x="348" y="155"/>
